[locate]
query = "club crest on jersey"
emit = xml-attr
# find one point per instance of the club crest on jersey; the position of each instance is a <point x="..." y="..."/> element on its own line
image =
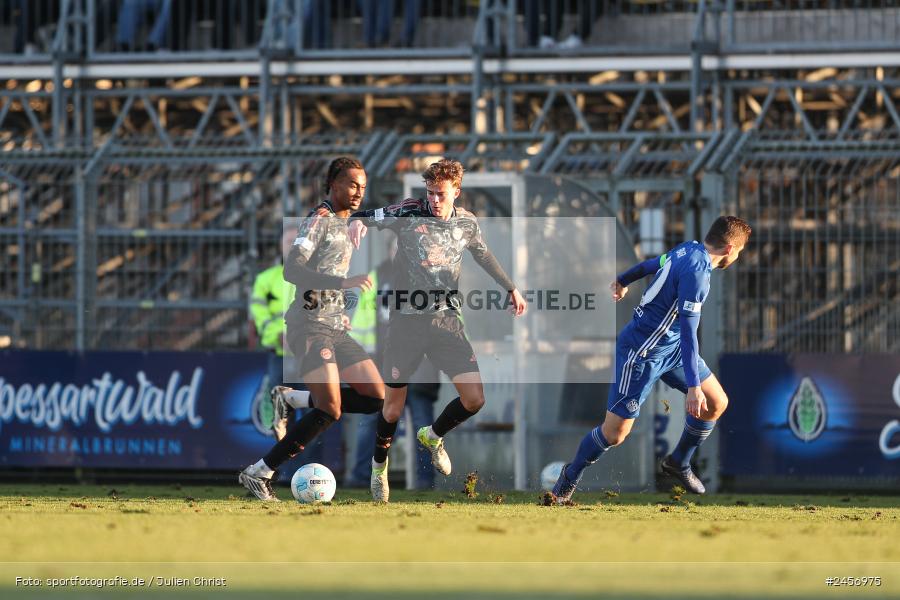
<point x="680" y="252"/>
<point x="807" y="412"/>
<point x="456" y="233"/>
<point x="326" y="353"/>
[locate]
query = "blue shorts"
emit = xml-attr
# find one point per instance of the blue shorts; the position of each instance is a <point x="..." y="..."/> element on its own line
<point x="635" y="376"/>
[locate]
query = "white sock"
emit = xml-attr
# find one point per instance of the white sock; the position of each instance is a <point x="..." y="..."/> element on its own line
<point x="431" y="434"/>
<point x="263" y="469"/>
<point x="297" y="398"/>
<point x="378" y="465"/>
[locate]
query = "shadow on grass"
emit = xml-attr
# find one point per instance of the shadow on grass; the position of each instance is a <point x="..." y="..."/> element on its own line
<point x="51" y="492"/>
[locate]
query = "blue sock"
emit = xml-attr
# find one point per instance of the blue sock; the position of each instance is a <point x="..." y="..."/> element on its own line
<point x="695" y="431"/>
<point x="592" y="446"/>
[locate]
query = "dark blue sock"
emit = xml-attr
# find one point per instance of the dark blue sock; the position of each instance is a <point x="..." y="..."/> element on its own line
<point x="592" y="446"/>
<point x="695" y="431"/>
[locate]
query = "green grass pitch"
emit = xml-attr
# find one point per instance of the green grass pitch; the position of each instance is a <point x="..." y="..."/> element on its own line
<point x="441" y="545"/>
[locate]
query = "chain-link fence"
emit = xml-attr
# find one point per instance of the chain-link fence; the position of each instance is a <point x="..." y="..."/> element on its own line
<point x="821" y="271"/>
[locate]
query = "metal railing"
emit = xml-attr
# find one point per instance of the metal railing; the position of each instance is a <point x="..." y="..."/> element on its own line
<point x="820" y="274"/>
<point x="163" y="30"/>
<point x="811" y="25"/>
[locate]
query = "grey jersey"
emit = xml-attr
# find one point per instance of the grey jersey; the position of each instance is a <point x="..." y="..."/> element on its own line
<point x="317" y="263"/>
<point x="430" y="250"/>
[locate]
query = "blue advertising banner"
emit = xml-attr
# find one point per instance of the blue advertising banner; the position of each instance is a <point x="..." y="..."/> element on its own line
<point x="811" y="415"/>
<point x="157" y="410"/>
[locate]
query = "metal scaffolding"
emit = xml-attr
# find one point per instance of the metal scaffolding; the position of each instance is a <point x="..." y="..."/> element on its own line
<point x="141" y="190"/>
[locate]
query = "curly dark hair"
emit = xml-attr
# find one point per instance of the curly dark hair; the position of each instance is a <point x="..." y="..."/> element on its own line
<point x="338" y="166"/>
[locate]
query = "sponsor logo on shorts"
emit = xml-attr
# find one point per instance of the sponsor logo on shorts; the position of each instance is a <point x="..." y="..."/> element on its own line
<point x="632" y="406"/>
<point x="473" y="359"/>
<point x="326" y="353"/>
<point x="395" y="373"/>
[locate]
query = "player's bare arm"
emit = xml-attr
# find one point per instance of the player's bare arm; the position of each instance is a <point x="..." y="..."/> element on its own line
<point x="363" y="282"/>
<point x="519" y="305"/>
<point x="357" y="232"/>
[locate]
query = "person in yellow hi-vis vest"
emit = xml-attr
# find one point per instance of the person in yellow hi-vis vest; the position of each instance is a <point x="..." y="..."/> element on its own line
<point x="271" y="297"/>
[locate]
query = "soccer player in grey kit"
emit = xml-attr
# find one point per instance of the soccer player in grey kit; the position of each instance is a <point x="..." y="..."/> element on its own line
<point x="432" y="235"/>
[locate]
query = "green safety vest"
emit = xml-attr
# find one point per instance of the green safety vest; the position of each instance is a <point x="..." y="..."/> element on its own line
<point x="271" y="297"/>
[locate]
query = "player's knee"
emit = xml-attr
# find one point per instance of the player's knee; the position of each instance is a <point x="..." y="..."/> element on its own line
<point x="331" y="408"/>
<point x="719" y="406"/>
<point x="614" y="435"/>
<point x="472" y="402"/>
<point x="372" y="390"/>
<point x="392" y="411"/>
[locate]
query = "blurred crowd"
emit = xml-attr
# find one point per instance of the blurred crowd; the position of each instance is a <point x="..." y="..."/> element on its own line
<point x="178" y="25"/>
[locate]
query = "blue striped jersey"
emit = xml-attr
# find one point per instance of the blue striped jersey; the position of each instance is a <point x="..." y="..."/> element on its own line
<point x="680" y="286"/>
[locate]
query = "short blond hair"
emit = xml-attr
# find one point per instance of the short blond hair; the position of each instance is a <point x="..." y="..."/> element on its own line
<point x="444" y="170"/>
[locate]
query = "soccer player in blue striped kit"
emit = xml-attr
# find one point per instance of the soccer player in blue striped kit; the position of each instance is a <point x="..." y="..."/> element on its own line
<point x="661" y="343"/>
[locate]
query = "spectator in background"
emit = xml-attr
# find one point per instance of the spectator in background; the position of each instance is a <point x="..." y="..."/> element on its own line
<point x="377" y="18"/>
<point x="543" y="33"/>
<point x="410" y="21"/>
<point x="131" y="17"/>
<point x="317" y="24"/>
<point x="230" y="15"/>
<point x="30" y="16"/>
<point x="284" y="31"/>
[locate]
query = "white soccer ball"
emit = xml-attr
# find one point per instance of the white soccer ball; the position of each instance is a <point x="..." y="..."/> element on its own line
<point x="550" y="474"/>
<point x="313" y="483"/>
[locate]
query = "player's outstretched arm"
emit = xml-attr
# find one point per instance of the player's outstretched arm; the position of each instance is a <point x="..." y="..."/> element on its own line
<point x="363" y="282"/>
<point x="380" y="218"/>
<point x="641" y="270"/>
<point x="487" y="261"/>
<point x="618" y="290"/>
<point x="519" y="305"/>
